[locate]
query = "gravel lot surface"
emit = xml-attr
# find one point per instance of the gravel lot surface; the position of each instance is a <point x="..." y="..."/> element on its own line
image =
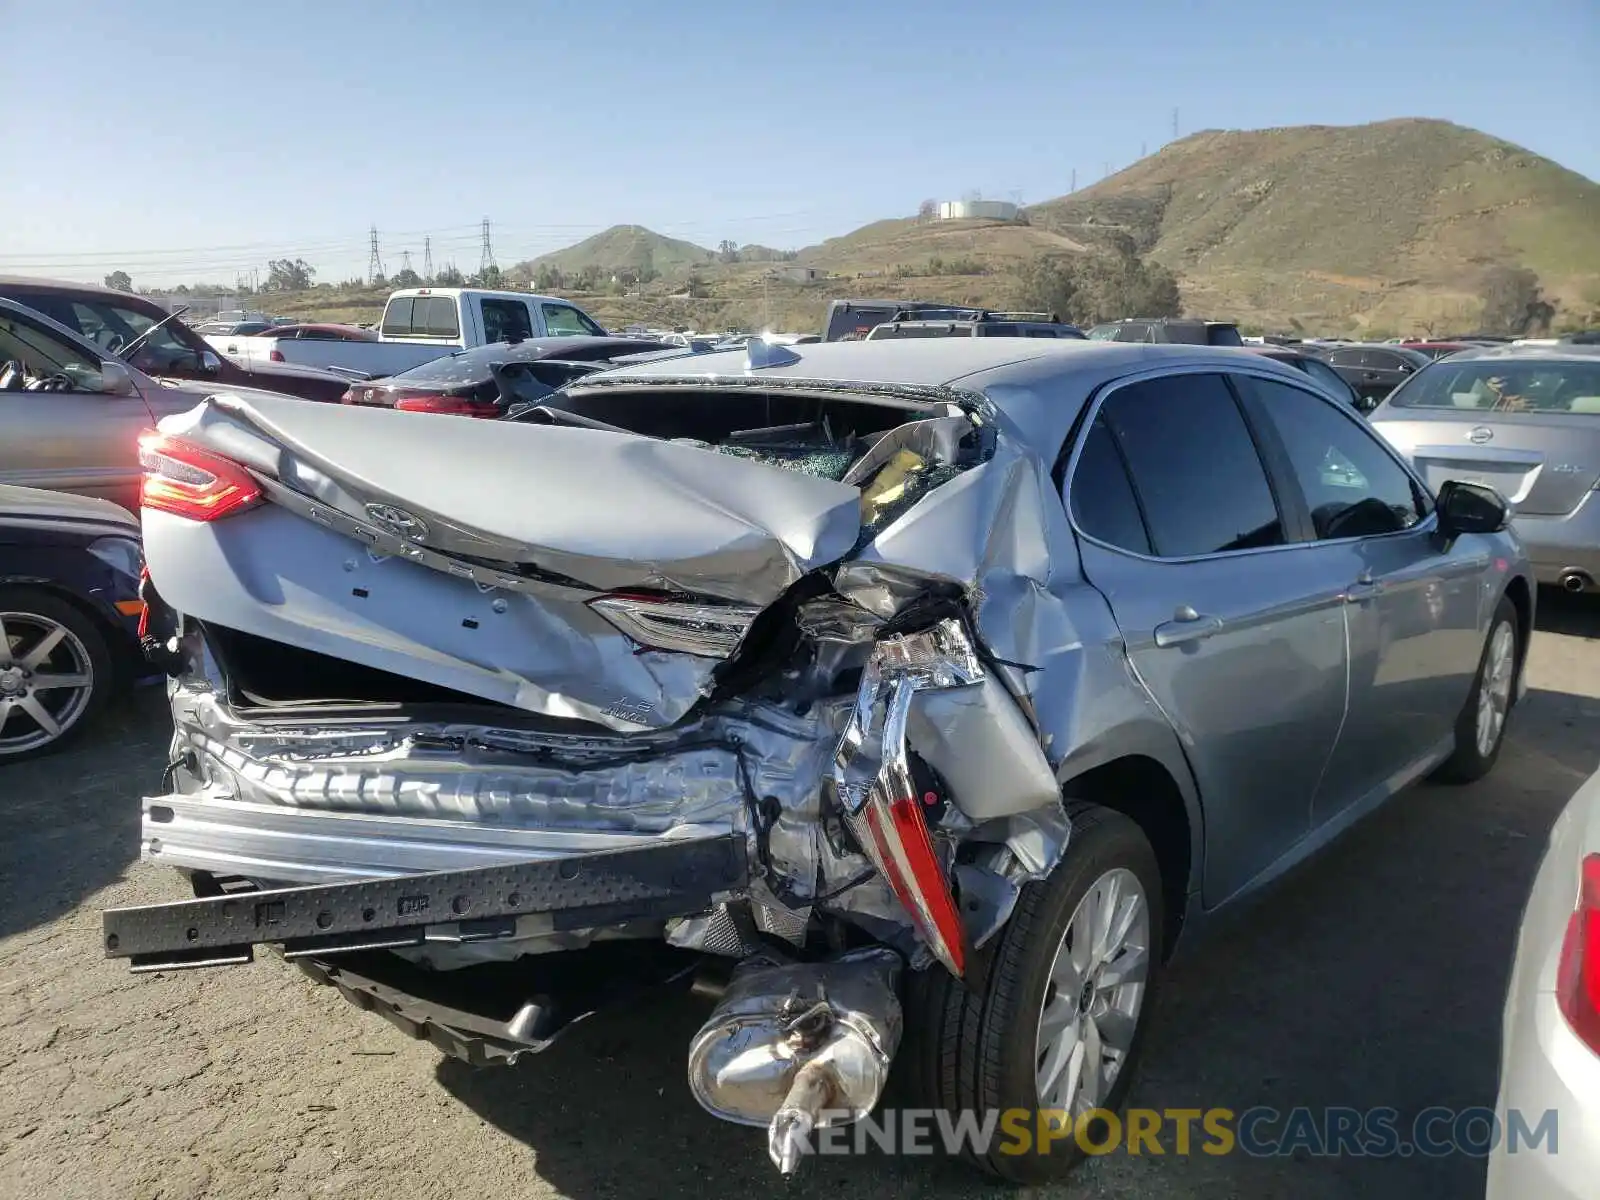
<point x="1372" y="977"/>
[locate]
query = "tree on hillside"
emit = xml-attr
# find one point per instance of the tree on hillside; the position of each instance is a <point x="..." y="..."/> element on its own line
<point x="696" y="288"/>
<point x="549" y="277"/>
<point x="406" y="278"/>
<point x="1098" y="286"/>
<point x="727" y="252"/>
<point x="489" y="277"/>
<point x="449" y="276"/>
<point x="288" y="275"/>
<point x="1513" y="301"/>
<point x="927" y="210"/>
<point x="119" y="281"/>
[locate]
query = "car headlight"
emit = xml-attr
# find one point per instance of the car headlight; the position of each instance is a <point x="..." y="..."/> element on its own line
<point x="120" y="554"/>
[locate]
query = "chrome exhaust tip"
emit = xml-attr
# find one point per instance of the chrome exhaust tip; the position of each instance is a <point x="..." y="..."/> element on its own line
<point x="1575" y="582"/>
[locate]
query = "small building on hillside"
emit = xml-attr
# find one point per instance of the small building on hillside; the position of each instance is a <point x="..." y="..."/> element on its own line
<point x="793" y="273"/>
<point x="970" y="210"/>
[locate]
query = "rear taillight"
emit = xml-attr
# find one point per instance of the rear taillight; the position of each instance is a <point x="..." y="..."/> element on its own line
<point x="459" y="406"/>
<point x="190" y="482"/>
<point x="276" y="356"/>
<point x="1578" y="973"/>
<point x="709" y="630"/>
<point x="873" y="781"/>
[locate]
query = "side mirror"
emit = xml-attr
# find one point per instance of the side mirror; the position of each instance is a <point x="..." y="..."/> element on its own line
<point x="1471" y="508"/>
<point x="210" y="362"/>
<point x="115" y="379"/>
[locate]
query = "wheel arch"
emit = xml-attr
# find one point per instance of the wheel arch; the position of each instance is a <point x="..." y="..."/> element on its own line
<point x="1142" y="774"/>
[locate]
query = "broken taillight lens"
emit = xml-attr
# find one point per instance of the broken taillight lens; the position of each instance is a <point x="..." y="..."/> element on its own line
<point x="709" y="630"/>
<point x="1578" y="971"/>
<point x="190" y="482"/>
<point x="872" y="777"/>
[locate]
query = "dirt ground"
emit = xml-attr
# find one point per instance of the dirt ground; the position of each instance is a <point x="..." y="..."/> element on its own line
<point x="1373" y="977"/>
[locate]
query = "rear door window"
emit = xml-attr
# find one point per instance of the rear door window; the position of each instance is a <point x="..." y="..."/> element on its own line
<point x="1102" y="499"/>
<point x="506" y="320"/>
<point x="1194" y="467"/>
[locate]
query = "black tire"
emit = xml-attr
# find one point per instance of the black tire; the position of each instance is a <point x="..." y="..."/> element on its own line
<point x="970" y="1047"/>
<point x="1467" y="763"/>
<point x="90" y="636"/>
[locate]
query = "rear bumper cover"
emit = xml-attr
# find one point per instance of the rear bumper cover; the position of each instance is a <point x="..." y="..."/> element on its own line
<point x="1559" y="544"/>
<point x="666" y="879"/>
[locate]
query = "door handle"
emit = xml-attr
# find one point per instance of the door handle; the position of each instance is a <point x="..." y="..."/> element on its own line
<point x="1186" y="626"/>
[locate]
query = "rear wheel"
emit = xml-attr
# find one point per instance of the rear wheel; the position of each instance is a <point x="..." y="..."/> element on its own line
<point x="1056" y="1021"/>
<point x="55" y="672"/>
<point x="1481" y="727"/>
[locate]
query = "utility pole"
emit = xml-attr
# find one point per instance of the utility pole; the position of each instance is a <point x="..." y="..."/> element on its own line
<point x="1074" y="186"/>
<point x="486" y="258"/>
<point x="1174" y="124"/>
<point x="374" y="261"/>
<point x="1144" y="148"/>
<point x="1104" y="174"/>
<point x="427" y="259"/>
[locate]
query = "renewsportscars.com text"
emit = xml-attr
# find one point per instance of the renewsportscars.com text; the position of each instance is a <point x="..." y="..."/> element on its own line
<point x="1259" y="1132"/>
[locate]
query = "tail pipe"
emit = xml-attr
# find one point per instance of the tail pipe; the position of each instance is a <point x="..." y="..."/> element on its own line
<point x="1575" y="581"/>
<point x="799" y="1046"/>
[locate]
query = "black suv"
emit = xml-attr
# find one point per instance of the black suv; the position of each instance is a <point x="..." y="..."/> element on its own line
<point x="972" y="322"/>
<point x="115" y="320"/>
<point x="1184" y="331"/>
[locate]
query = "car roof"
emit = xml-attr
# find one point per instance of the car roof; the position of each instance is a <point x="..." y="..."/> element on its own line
<point x="529" y="349"/>
<point x="1565" y="352"/>
<point x="1037" y="383"/>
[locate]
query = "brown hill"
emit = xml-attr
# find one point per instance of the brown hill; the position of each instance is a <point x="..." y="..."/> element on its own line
<point x="1391" y="224"/>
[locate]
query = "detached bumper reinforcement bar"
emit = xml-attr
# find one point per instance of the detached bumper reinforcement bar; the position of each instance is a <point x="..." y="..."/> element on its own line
<point x="673" y="878"/>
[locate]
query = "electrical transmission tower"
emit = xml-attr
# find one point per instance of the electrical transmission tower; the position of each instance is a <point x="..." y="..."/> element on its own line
<point x="427" y="258"/>
<point x="374" y="261"/>
<point x="405" y="261"/>
<point x="486" y="259"/>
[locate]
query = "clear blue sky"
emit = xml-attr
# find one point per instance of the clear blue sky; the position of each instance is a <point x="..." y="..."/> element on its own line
<point x="183" y="140"/>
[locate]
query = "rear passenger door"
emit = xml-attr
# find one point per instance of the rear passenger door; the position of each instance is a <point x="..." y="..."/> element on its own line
<point x="1242" y="649"/>
<point x="1412" y="605"/>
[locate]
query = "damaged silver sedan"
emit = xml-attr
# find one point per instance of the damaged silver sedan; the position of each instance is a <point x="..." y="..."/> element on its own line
<point x="911" y="696"/>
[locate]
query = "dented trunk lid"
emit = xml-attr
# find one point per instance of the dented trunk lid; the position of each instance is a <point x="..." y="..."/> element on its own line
<point x="466" y="553"/>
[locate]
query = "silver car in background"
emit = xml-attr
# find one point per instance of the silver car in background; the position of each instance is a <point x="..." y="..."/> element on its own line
<point x="928" y="687"/>
<point x="1550" y="1053"/>
<point x="1526" y="421"/>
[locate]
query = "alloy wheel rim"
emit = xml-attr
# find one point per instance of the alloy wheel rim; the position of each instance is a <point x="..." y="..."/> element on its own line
<point x="46" y="681"/>
<point x="1494" y="696"/>
<point x="1093" y="995"/>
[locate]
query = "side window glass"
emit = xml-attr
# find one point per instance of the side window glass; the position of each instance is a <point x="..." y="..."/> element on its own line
<point x="506" y="321"/>
<point x="1351" y="484"/>
<point x="1103" y="503"/>
<point x="1194" y="466"/>
<point x="562" y="320"/>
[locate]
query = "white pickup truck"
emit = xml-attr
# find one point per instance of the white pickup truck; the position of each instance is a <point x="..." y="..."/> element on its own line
<point x="421" y="324"/>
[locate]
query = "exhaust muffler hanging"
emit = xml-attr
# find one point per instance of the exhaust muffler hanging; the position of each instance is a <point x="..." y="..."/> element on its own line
<point x="799" y="1046"/>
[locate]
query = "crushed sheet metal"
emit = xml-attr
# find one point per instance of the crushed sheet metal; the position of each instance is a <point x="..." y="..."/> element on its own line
<point x="718" y="525"/>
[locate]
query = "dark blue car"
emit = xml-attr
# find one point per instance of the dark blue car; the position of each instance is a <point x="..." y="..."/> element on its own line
<point x="69" y="615"/>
